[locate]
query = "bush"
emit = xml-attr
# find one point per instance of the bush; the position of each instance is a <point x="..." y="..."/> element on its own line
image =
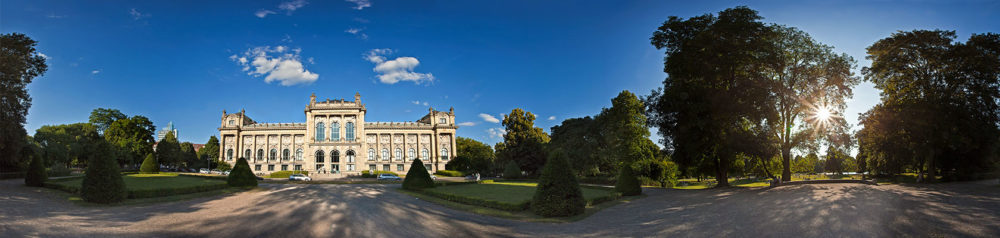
<point x="59" y="170"/>
<point x="36" y="172"/>
<point x="660" y="173"/>
<point x="417" y="177"/>
<point x="558" y="193"/>
<point x="628" y="183"/>
<point x="511" y="170"/>
<point x="449" y="173"/>
<point x="103" y="182"/>
<point x="222" y="165"/>
<point x="286" y="173"/>
<point x="149" y="165"/>
<point x="479" y="201"/>
<point x="241" y="176"/>
<point x="366" y="174"/>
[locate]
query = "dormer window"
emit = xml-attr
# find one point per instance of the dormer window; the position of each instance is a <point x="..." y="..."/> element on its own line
<point x="231" y="122"/>
<point x="443" y="121"/>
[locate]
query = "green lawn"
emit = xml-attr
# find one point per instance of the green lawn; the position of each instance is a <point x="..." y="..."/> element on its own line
<point x="150" y="185"/>
<point x="508" y="192"/>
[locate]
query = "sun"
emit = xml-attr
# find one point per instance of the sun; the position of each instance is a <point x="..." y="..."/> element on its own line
<point x="822" y="114"/>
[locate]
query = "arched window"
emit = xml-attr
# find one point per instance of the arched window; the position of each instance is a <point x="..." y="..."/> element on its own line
<point x="350" y="131"/>
<point x="444" y="154"/>
<point x="424" y="154"/>
<point x="229" y="154"/>
<point x="399" y="154"/>
<point x="298" y="154"/>
<point x="319" y="156"/>
<point x="350" y="156"/>
<point x="411" y="154"/>
<point x="273" y="155"/>
<point x="260" y="154"/>
<point x="371" y="154"/>
<point x="335" y="156"/>
<point x="385" y="154"/>
<point x="335" y="131"/>
<point x="246" y="154"/>
<point x="284" y="154"/>
<point x="320" y="131"/>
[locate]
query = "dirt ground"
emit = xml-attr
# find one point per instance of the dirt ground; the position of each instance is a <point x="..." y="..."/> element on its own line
<point x="970" y="209"/>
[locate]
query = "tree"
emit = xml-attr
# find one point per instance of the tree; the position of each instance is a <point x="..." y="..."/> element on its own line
<point x="36" y="175"/>
<point x="714" y="103"/>
<point x="66" y="144"/>
<point x="627" y="183"/>
<point x="582" y="141"/>
<point x="149" y="165"/>
<point x="241" y="176"/>
<point x="472" y="156"/>
<point x="188" y="156"/>
<point x="809" y="80"/>
<point x="210" y="152"/>
<point x="103" y="181"/>
<point x="168" y="150"/>
<point x="511" y="170"/>
<point x="558" y="193"/>
<point x="939" y="104"/>
<point x="102" y="118"/>
<point x="524" y="143"/>
<point x="21" y="64"/>
<point x="417" y="177"/>
<point x="132" y="137"/>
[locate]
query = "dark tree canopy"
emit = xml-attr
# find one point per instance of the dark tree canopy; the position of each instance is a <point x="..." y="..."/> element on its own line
<point x="524" y="143"/>
<point x="168" y="150"/>
<point x="472" y="157"/>
<point x="67" y="144"/>
<point x="102" y="118"/>
<point x="21" y="64"/>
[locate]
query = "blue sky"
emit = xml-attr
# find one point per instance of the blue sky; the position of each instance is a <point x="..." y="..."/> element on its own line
<point x="180" y="61"/>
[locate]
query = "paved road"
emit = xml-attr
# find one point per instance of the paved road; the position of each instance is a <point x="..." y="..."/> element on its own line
<point x="328" y="210"/>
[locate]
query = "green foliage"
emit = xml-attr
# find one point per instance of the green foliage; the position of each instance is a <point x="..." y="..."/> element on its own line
<point x="582" y="141"/>
<point x="102" y="182"/>
<point x="222" y="165"/>
<point x="64" y="144"/>
<point x="36" y="175"/>
<point x="286" y="173"/>
<point x="511" y="170"/>
<point x="58" y="170"/>
<point x="241" y="176"/>
<point x="449" y="173"/>
<point x="558" y="193"/>
<point x="168" y="150"/>
<point x="417" y="177"/>
<point x="149" y="165"/>
<point x="102" y="118"/>
<point x="210" y="151"/>
<point x="188" y="156"/>
<point x="132" y="138"/>
<point x="524" y="143"/>
<point x="628" y="183"/>
<point x="472" y="156"/>
<point x="657" y="172"/>
<point x="373" y="174"/>
<point x="21" y="64"/>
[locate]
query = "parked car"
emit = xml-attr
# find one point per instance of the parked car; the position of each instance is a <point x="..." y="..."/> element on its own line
<point x="216" y="171"/>
<point x="433" y="177"/>
<point x="389" y="177"/>
<point x="226" y="172"/>
<point x="203" y="171"/>
<point x="299" y="177"/>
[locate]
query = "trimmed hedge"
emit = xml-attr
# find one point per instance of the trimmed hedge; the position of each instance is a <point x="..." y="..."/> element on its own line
<point x="241" y="176"/>
<point x="449" y="173"/>
<point x="59" y="170"/>
<point x="479" y="201"/>
<point x="417" y="178"/>
<point x="36" y="173"/>
<point x="286" y="173"/>
<point x="366" y="174"/>
<point x="150" y="193"/>
<point x="103" y="181"/>
<point x="558" y="194"/>
<point x="149" y="165"/>
<point x="628" y="183"/>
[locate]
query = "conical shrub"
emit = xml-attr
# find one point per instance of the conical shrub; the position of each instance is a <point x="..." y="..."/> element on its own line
<point x="628" y="184"/>
<point x="241" y="176"/>
<point x="511" y="170"/>
<point x="36" y="175"/>
<point x="558" y="193"/>
<point x="103" y="181"/>
<point x="149" y="165"/>
<point x="417" y="177"/>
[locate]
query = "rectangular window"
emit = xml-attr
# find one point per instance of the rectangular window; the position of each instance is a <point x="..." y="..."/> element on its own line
<point x="371" y="167"/>
<point x="385" y="167"/>
<point x="256" y="167"/>
<point x="335" y="131"/>
<point x="284" y="167"/>
<point x="350" y="131"/>
<point x="399" y="167"/>
<point x="350" y="167"/>
<point x="298" y="167"/>
<point x="270" y="167"/>
<point x="319" y="167"/>
<point x="335" y="168"/>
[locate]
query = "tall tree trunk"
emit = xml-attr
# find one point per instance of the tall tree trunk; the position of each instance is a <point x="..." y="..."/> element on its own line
<point x="786" y="154"/>
<point x="721" y="175"/>
<point x="931" y="171"/>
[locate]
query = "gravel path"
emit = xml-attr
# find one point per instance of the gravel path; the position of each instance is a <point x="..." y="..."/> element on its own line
<point x="328" y="210"/>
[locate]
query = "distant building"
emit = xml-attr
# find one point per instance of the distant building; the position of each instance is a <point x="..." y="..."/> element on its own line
<point x="163" y="132"/>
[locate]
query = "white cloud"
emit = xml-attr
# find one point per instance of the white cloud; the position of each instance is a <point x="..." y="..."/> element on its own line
<point x="488" y="118"/>
<point x="361" y="4"/>
<point x="96" y="71"/>
<point x="357" y="32"/>
<point x="275" y="65"/>
<point x="46" y="57"/>
<point x="398" y="69"/>
<point x="496" y="132"/>
<point x="290" y="6"/>
<point x="552" y="118"/>
<point x="263" y="13"/>
<point x="54" y="16"/>
<point x="468" y="123"/>
<point x="138" y="15"/>
<point x="420" y="103"/>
